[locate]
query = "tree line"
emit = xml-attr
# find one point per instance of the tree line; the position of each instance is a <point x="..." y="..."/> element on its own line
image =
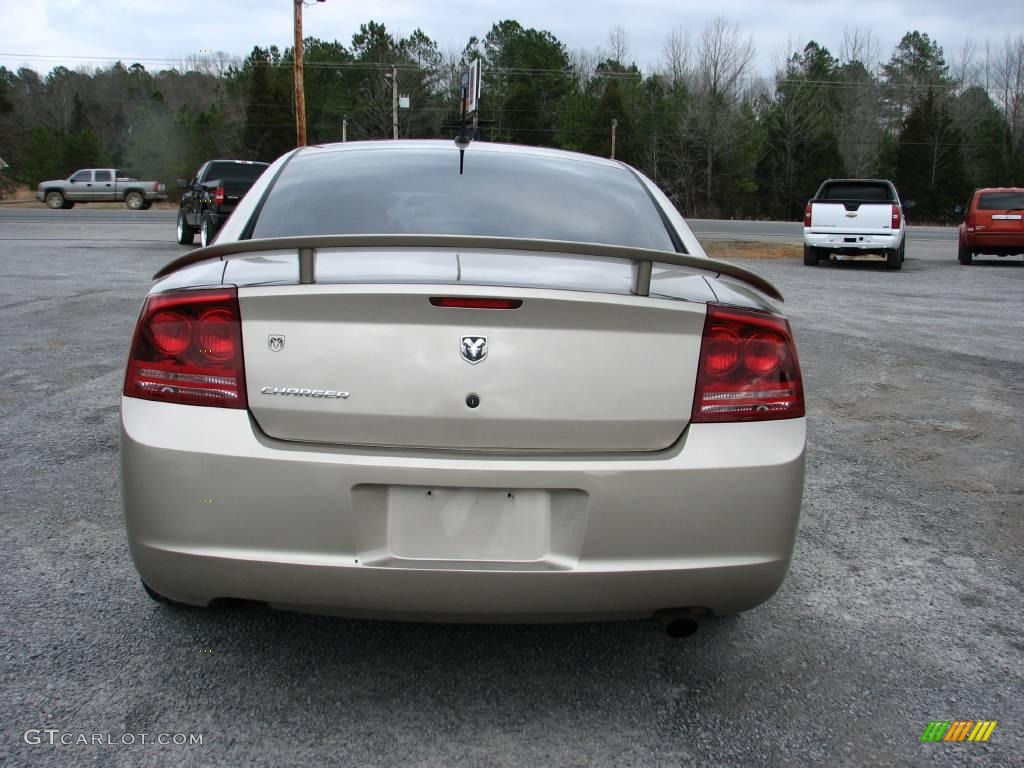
<point x="721" y="140"/>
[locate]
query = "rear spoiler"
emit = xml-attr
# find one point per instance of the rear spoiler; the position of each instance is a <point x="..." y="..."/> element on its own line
<point x="643" y="258"/>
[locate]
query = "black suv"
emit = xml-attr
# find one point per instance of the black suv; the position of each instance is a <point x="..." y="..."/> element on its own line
<point x="212" y="194"/>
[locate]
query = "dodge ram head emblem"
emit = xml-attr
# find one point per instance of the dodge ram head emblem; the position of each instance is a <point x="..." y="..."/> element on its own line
<point x="275" y="342"/>
<point x="474" y="349"/>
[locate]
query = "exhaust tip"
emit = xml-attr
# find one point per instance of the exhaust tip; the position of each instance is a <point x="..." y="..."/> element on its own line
<point x="681" y="627"/>
<point x="681" y="622"/>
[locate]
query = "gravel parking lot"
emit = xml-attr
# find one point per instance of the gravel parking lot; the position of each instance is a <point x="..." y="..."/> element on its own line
<point x="903" y="605"/>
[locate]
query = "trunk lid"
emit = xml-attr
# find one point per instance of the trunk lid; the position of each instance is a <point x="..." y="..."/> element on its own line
<point x="566" y="371"/>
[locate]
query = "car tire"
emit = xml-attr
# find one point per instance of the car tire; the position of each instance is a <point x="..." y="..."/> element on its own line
<point x="134" y="201"/>
<point x="207" y="230"/>
<point x="894" y="258"/>
<point x="55" y="200"/>
<point x="964" y="256"/>
<point x="186" y="234"/>
<point x="68" y="205"/>
<point x="147" y="205"/>
<point x="810" y="256"/>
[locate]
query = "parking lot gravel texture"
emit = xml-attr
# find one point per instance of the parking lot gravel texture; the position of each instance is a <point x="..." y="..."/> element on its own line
<point x="903" y="604"/>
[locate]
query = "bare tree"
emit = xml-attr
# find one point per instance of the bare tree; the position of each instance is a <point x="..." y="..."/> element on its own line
<point x="857" y="125"/>
<point x="860" y="44"/>
<point x="584" y="63"/>
<point x="618" y="44"/>
<point x="722" y="57"/>
<point x="1009" y="89"/>
<point x="962" y="68"/>
<point x="675" y="60"/>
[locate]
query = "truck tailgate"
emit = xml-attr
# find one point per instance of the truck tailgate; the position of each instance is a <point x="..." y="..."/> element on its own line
<point x="851" y="218"/>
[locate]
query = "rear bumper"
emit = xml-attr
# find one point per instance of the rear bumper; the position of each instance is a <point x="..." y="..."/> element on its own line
<point x="1000" y="244"/>
<point x="219" y="215"/>
<point x="215" y="509"/>
<point x="851" y="242"/>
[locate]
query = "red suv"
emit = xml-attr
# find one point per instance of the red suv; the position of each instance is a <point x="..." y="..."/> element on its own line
<point x="993" y="224"/>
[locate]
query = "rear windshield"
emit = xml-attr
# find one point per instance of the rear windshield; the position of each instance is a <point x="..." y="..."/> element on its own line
<point x="1001" y="201"/>
<point x="235" y="171"/>
<point x="857" y="190"/>
<point x="501" y="194"/>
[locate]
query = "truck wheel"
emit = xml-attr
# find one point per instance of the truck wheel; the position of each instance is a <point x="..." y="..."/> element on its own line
<point x="147" y="205"/>
<point x="964" y="256"/>
<point x="134" y="200"/>
<point x="185" y="233"/>
<point x="893" y="259"/>
<point x="207" y="231"/>
<point x="68" y="205"/>
<point x="55" y="200"/>
<point x="810" y="256"/>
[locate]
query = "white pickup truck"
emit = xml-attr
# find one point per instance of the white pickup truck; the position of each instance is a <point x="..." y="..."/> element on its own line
<point x="855" y="217"/>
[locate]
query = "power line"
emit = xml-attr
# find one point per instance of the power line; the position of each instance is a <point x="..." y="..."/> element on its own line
<point x="747" y="81"/>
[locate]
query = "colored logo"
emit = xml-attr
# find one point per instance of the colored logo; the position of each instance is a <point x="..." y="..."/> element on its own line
<point x="959" y="730"/>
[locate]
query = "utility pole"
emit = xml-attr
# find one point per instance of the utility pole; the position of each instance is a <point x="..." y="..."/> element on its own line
<point x="344" y="129"/>
<point x="615" y="124"/>
<point x="394" y="100"/>
<point x="300" y="88"/>
<point x="300" y="91"/>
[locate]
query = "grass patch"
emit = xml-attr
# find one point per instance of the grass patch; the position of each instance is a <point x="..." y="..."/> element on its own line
<point x="748" y="249"/>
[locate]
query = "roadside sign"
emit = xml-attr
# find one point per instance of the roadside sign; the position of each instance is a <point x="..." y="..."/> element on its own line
<point x="473" y="87"/>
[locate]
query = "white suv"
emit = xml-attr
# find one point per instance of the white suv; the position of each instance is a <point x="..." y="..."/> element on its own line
<point x="855" y="217"/>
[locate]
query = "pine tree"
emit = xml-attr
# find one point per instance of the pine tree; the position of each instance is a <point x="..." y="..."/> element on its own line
<point x="929" y="164"/>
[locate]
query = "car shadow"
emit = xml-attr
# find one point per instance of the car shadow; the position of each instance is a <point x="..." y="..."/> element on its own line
<point x="981" y="261"/>
<point x="871" y="266"/>
<point x="272" y="636"/>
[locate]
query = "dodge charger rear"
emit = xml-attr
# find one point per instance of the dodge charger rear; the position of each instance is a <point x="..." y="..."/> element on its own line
<point x="500" y="385"/>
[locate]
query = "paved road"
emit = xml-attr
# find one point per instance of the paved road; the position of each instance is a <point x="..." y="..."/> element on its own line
<point x="710" y="229"/>
<point x="792" y="231"/>
<point x="903" y="605"/>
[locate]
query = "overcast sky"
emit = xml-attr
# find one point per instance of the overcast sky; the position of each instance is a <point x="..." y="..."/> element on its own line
<point x="99" y="31"/>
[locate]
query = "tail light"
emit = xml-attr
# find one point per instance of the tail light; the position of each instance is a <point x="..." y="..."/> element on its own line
<point x="218" y="196"/>
<point x="895" y="217"/>
<point x="156" y="186"/>
<point x="748" y="370"/>
<point x="188" y="349"/>
<point x="460" y="302"/>
<point x="807" y="215"/>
